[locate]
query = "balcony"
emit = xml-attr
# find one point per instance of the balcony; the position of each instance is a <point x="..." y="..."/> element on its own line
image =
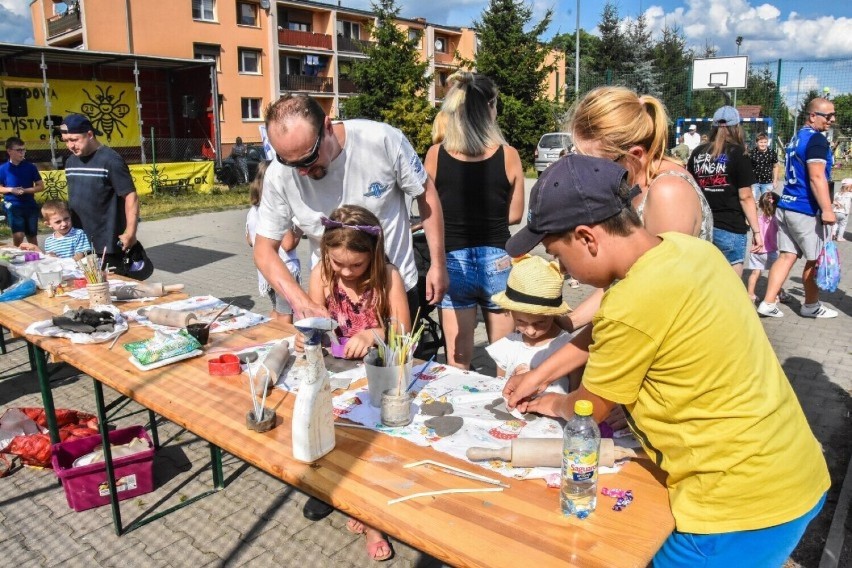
<point x="442" y="58"/>
<point x="307" y="83"/>
<point x="346" y="86"/>
<point x="64" y="23"/>
<point x="304" y="39"/>
<point x="352" y="45"/>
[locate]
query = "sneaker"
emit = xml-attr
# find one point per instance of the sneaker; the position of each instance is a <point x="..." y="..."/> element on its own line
<point x="819" y="311"/>
<point x="784" y="297"/>
<point x="769" y="310"/>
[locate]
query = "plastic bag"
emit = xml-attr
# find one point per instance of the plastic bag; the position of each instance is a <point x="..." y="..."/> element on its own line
<point x="18" y="291"/>
<point x="162" y="346"/>
<point x="828" y="266"/>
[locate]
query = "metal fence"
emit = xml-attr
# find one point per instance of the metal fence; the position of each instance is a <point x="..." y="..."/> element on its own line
<point x="778" y="88"/>
<point x="161" y="150"/>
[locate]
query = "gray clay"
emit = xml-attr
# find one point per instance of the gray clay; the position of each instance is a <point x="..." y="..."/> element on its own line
<point x="445" y="425"/>
<point x="500" y="412"/>
<point x="436" y="409"/>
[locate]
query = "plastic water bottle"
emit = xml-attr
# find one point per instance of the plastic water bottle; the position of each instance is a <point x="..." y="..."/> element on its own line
<point x="581" y="445"/>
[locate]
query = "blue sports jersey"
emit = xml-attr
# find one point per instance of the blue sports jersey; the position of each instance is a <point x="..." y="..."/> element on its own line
<point x="808" y="145"/>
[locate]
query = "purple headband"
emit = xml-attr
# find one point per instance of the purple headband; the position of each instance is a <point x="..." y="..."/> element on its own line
<point x="374" y="230"/>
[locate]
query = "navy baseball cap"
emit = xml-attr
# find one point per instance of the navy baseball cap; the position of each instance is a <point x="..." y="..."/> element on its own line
<point x="576" y="190"/>
<point x="78" y="124"/>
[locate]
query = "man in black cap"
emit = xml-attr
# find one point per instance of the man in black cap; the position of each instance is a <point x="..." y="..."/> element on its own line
<point x="678" y="344"/>
<point x="102" y="196"/>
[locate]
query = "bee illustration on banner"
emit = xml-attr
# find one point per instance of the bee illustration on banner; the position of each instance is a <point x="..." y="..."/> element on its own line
<point x="106" y="111"/>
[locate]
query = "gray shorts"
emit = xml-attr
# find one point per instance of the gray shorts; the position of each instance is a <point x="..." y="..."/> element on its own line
<point x="799" y="234"/>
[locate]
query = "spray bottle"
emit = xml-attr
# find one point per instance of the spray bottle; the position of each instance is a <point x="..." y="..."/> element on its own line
<point x="313" y="416"/>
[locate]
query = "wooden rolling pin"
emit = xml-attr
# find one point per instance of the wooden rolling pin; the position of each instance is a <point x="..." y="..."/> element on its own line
<point x="275" y="361"/>
<point x="545" y="452"/>
<point x="173" y="318"/>
<point x="143" y="290"/>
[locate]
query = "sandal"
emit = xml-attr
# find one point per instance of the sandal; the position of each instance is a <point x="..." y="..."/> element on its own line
<point x="373" y="550"/>
<point x="355" y="526"/>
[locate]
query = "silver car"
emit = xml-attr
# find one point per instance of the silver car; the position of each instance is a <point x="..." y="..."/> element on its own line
<point x="549" y="148"/>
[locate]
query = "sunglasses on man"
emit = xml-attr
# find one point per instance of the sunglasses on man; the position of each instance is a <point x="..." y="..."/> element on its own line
<point x="307" y="161"/>
<point x="826" y="115"/>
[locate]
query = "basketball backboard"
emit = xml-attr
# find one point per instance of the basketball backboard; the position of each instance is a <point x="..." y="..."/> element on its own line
<point x="721" y="72"/>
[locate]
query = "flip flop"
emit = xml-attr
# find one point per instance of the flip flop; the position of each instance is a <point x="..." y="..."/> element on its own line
<point x="355" y="526"/>
<point x="373" y="549"/>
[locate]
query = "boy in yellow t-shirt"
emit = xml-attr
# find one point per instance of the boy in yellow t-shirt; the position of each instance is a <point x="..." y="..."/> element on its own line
<point x="677" y="342"/>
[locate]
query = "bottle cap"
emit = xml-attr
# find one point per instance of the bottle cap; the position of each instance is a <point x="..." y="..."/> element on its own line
<point x="583" y="408"/>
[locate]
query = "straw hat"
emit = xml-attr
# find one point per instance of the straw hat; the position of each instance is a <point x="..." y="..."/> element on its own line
<point x="534" y="287"/>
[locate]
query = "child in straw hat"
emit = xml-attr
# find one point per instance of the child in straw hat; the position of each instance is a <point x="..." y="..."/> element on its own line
<point x="533" y="295"/>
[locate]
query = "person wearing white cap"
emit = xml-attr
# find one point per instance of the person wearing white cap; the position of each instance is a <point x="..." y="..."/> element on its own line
<point x="723" y="171"/>
<point x="842" y="208"/>
<point x="692" y="138"/>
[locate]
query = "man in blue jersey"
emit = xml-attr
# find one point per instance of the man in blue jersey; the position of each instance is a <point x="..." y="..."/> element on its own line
<point x="804" y="209"/>
<point x="19" y="182"/>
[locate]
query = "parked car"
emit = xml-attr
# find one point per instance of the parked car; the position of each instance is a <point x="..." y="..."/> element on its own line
<point x="549" y="147"/>
<point x="230" y="175"/>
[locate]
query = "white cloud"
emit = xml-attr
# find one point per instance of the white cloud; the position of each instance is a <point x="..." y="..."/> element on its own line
<point x="17" y="7"/>
<point x="14" y="28"/>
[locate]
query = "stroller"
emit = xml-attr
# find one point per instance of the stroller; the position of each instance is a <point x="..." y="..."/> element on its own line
<point x="433" y="337"/>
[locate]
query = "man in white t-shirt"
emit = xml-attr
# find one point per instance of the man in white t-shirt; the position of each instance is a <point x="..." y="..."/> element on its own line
<point x="321" y="165"/>
<point x="692" y="138"/>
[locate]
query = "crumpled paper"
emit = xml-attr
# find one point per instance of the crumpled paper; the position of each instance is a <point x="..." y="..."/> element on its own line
<point x="47" y="329"/>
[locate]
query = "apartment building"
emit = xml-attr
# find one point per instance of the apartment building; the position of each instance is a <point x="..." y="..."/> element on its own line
<point x="262" y="48"/>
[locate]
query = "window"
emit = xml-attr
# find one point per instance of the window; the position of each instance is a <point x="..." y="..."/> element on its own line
<point x="348" y="29"/>
<point x="293" y="66"/>
<point x="298" y="26"/>
<point x="207" y="51"/>
<point x="251" y="109"/>
<point x="204" y="10"/>
<point x="414" y="35"/>
<point x="249" y="61"/>
<point x="246" y="14"/>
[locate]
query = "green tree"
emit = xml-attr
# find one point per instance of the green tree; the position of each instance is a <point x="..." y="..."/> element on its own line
<point x="671" y="55"/>
<point x="513" y="56"/>
<point x="589" y="47"/>
<point x="843" y="108"/>
<point x="391" y="76"/>
<point x="414" y="116"/>
<point x="614" y="49"/>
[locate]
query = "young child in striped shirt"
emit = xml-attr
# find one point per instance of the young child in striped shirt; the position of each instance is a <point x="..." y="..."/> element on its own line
<point x="66" y="241"/>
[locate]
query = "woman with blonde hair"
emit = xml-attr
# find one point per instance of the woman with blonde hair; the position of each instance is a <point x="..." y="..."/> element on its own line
<point x="480" y="182"/>
<point x="618" y="124"/>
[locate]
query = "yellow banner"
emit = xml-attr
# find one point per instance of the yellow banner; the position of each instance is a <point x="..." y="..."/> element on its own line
<point x="110" y="106"/>
<point x="177" y="177"/>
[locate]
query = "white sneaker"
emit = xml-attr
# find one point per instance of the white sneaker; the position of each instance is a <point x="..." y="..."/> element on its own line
<point x="819" y="311"/>
<point x="769" y="310"/>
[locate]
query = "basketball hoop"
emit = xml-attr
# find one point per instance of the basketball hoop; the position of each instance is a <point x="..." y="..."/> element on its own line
<point x="715" y="85"/>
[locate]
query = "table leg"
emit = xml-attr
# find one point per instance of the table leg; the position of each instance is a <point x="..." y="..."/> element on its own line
<point x="155" y="436"/>
<point x="3" y="340"/>
<point x="37" y="355"/>
<point x="110" y="473"/>
<point x="216" y="466"/>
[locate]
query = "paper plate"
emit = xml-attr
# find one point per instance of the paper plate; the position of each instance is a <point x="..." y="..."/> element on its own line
<point x="165" y="362"/>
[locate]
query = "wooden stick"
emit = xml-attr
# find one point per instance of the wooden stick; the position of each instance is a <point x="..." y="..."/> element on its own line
<point x="111" y="345"/>
<point x="352" y="425"/>
<point x="445" y="492"/>
<point x="455" y="470"/>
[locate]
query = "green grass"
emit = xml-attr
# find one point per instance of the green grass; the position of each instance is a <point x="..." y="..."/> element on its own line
<point x="163" y="206"/>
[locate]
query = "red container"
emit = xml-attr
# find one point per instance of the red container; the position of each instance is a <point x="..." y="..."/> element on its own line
<point x="86" y="486"/>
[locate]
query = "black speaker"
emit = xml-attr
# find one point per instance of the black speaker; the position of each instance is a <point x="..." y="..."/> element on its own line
<point x="17" y="100"/>
<point x="189" y="106"/>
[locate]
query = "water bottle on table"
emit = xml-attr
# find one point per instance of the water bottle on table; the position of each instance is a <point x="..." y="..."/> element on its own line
<point x="580" y="451"/>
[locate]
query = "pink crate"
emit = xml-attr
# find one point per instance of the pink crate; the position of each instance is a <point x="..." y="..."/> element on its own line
<point x="86" y="486"/>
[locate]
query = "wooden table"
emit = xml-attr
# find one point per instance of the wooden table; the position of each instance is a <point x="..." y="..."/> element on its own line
<point x="520" y="526"/>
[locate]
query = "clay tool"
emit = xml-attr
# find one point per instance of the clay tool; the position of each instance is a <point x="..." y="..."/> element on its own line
<point x="352" y="425"/>
<point x="514" y="412"/>
<point x="444" y="492"/>
<point x="420" y="374"/>
<point x="145" y="290"/>
<point x="222" y="311"/>
<point x="545" y="452"/>
<point x="456" y="471"/>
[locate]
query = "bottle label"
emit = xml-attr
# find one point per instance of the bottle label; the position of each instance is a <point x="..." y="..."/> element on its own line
<point x="582" y="466"/>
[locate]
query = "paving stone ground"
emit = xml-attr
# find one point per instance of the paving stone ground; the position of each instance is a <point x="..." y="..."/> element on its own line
<point x="257" y="519"/>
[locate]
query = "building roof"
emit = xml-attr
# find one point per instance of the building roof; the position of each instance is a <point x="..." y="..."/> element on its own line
<point x="750" y="111"/>
<point x="101" y="58"/>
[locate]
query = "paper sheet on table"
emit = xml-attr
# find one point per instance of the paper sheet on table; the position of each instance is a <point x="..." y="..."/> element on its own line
<point x="475" y="398"/>
<point x="83" y="293"/>
<point x="293" y="372"/>
<point x="205" y="307"/>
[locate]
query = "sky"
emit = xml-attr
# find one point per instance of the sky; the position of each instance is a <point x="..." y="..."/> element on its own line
<point x="798" y="31"/>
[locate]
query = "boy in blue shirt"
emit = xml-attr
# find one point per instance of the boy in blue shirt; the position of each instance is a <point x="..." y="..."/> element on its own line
<point x="66" y="241"/>
<point x="19" y="182"/>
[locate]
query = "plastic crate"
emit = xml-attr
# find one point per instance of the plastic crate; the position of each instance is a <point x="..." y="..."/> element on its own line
<point x="86" y="487"/>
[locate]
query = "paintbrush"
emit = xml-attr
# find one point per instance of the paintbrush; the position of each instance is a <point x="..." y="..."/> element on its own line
<point x="222" y="311"/>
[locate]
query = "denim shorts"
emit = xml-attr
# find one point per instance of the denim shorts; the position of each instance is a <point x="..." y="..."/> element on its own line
<point x="732" y="245"/>
<point x="23" y="218"/>
<point x="759" y="189"/>
<point x="279" y="302"/>
<point x="476" y="274"/>
<point x="761" y="547"/>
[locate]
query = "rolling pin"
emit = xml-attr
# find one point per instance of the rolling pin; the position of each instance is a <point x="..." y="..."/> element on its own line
<point x="152" y="290"/>
<point x="545" y="452"/>
<point x="172" y="318"/>
<point x="275" y="361"/>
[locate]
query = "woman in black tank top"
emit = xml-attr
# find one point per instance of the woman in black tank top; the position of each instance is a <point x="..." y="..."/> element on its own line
<point x="480" y="182"/>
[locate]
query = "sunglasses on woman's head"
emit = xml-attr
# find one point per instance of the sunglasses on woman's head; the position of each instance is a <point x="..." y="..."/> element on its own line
<point x="308" y="160"/>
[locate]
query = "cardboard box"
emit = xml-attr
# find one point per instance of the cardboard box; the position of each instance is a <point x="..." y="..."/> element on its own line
<point x="86" y="486"/>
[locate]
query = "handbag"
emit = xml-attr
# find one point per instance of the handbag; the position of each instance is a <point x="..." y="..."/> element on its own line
<point x="828" y="264"/>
